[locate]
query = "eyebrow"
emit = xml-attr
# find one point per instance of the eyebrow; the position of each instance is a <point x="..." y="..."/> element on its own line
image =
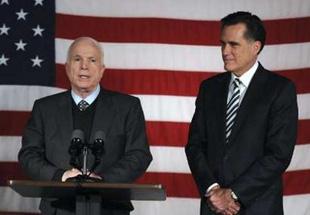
<point x="77" y="55"/>
<point x="230" y="42"/>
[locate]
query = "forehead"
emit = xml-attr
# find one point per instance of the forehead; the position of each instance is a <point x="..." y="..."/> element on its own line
<point x="85" y="48"/>
<point x="234" y="31"/>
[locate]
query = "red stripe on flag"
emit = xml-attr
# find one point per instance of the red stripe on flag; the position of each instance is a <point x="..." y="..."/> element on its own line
<point x="303" y="134"/>
<point x="175" y="184"/>
<point x="159" y="82"/>
<point x="12" y="123"/>
<point x="171" y="31"/>
<point x="296" y="182"/>
<point x="11" y="171"/>
<point x="152" y="82"/>
<point x="159" y="133"/>
<point x="301" y="78"/>
<point x="183" y="185"/>
<point x="167" y="133"/>
<point x="148" y="30"/>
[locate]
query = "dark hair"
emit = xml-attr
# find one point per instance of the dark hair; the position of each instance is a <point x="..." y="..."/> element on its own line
<point x="255" y="29"/>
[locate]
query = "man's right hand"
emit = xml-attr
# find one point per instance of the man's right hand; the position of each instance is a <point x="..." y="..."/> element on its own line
<point x="70" y="174"/>
<point x="220" y="201"/>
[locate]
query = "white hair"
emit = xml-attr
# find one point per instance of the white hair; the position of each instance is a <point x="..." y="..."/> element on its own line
<point x="92" y="41"/>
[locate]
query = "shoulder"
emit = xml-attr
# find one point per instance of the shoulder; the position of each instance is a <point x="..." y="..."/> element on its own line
<point x="53" y="99"/>
<point x="275" y="80"/>
<point x="119" y="98"/>
<point x="219" y="80"/>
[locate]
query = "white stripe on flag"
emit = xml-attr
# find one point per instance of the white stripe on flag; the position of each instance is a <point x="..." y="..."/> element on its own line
<point x="168" y="108"/>
<point x="184" y="9"/>
<point x="188" y="57"/>
<point x="303" y="102"/>
<point x="10" y="145"/>
<point x="155" y="107"/>
<point x="173" y="159"/>
<point x="22" y="97"/>
<point x="296" y="204"/>
<point x="12" y="201"/>
<point x="165" y="159"/>
<point x="179" y="206"/>
<point x="168" y="159"/>
<point x="301" y="158"/>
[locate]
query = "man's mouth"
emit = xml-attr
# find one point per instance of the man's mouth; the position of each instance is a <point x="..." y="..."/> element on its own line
<point x="228" y="60"/>
<point x="83" y="76"/>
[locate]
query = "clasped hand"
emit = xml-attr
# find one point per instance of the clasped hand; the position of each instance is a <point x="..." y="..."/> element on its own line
<point x="221" y="201"/>
<point x="75" y="172"/>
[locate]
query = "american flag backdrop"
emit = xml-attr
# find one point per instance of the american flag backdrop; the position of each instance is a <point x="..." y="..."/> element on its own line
<point x="159" y="51"/>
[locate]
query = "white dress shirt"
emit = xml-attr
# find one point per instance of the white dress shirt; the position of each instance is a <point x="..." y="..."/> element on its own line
<point x="89" y="99"/>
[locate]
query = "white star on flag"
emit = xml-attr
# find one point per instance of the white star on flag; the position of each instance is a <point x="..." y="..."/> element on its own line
<point x="36" y="61"/>
<point x="3" y="60"/>
<point x="21" y="14"/>
<point x="38" y="2"/>
<point x="4" y="30"/>
<point x="20" y="45"/>
<point x="5" y="2"/>
<point x="38" y="31"/>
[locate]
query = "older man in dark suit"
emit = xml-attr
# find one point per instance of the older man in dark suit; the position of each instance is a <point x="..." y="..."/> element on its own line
<point x="90" y="108"/>
<point x="243" y="132"/>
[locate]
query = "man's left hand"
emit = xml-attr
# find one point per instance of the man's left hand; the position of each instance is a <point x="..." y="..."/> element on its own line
<point x="221" y="201"/>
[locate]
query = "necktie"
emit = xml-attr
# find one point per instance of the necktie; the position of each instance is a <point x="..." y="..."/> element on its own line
<point x="232" y="107"/>
<point x="82" y="105"/>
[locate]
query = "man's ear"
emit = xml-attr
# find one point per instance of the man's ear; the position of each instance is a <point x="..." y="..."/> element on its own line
<point x="257" y="46"/>
<point x="102" y="69"/>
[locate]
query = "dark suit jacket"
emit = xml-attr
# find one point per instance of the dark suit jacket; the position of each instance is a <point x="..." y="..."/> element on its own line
<point x="47" y="138"/>
<point x="261" y="143"/>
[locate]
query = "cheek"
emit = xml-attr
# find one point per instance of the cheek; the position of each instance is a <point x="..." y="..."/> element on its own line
<point x="98" y="77"/>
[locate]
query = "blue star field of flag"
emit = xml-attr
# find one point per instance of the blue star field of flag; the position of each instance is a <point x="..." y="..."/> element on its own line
<point x="27" y="42"/>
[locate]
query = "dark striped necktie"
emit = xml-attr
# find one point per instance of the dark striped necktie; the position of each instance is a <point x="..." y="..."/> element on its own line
<point x="232" y="108"/>
<point x="82" y="105"/>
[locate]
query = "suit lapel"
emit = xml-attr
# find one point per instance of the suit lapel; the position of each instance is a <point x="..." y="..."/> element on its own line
<point x="220" y="105"/>
<point x="65" y="120"/>
<point x="104" y="114"/>
<point x="251" y="97"/>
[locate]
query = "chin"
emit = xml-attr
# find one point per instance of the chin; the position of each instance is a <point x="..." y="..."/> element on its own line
<point x="229" y="67"/>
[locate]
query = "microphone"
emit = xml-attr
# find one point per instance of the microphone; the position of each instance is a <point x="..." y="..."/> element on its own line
<point x="77" y="142"/>
<point x="97" y="148"/>
<point x="80" y="147"/>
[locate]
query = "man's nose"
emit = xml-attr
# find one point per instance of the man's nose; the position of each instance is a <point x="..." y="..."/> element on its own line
<point x="225" y="49"/>
<point x="84" y="64"/>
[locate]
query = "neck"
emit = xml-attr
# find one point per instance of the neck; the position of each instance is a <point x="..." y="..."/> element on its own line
<point x="83" y="93"/>
<point x="240" y="73"/>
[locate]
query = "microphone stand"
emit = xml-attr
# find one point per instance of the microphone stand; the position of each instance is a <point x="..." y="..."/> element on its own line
<point x="85" y="153"/>
<point x="85" y="177"/>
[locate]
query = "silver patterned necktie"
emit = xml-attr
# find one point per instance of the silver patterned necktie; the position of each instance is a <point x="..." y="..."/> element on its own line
<point x="82" y="105"/>
<point x="232" y="108"/>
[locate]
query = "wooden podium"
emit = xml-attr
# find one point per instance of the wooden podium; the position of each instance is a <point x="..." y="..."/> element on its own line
<point x="88" y="196"/>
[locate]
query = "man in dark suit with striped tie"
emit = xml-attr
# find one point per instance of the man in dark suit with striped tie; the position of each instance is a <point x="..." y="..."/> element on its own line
<point x="88" y="107"/>
<point x="243" y="131"/>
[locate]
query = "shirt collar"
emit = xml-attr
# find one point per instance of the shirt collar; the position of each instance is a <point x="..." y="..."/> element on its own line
<point x="246" y="77"/>
<point x="89" y="99"/>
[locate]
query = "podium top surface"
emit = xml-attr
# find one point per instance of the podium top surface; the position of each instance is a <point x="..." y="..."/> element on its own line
<point x="111" y="191"/>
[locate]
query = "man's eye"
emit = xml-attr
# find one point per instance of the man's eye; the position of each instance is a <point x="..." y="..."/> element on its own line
<point x="93" y="60"/>
<point x="76" y="59"/>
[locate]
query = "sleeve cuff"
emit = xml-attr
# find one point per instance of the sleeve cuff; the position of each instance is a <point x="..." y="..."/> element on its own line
<point x="211" y="187"/>
<point x="58" y="175"/>
<point x="234" y="196"/>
